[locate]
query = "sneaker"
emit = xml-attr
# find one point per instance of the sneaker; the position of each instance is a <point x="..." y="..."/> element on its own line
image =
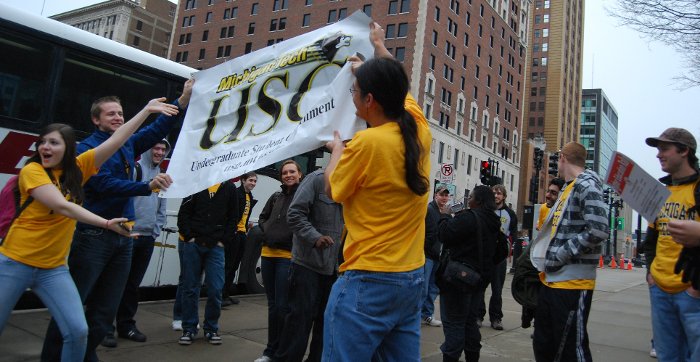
<point x="186" y="339"/>
<point x="134" y="335"/>
<point x="497" y="325"/>
<point x="109" y="341"/>
<point x="213" y="337"/>
<point x="479" y="322"/>
<point x="177" y="325"/>
<point x="652" y="351"/>
<point x="430" y="321"/>
<point x="263" y="359"/>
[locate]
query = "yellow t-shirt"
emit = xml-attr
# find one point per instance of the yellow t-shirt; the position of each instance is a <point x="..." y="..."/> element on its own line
<point x="275" y="253"/>
<point x="556" y="219"/>
<point x="384" y="218"/>
<point x="242" y="227"/>
<point x="667" y="250"/>
<point x="544" y="211"/>
<point x="39" y="237"/>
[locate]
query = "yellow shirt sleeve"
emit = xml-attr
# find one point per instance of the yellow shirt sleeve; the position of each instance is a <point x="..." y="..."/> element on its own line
<point x="86" y="163"/>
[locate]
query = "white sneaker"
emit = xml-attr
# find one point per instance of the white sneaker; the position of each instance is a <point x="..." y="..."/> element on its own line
<point x="177" y="325"/>
<point x="652" y="352"/>
<point x="430" y="321"/>
<point x="264" y="359"/>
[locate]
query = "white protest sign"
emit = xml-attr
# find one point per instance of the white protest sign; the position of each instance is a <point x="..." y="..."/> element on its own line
<point x="269" y="105"/>
<point x="639" y="189"/>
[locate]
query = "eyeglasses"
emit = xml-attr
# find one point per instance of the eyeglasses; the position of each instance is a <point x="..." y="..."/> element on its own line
<point x="353" y="90"/>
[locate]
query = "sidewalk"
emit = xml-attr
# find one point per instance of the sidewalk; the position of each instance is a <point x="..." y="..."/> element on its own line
<point x="619" y="328"/>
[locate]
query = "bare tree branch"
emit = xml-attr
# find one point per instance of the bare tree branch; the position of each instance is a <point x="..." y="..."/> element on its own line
<point x="672" y="22"/>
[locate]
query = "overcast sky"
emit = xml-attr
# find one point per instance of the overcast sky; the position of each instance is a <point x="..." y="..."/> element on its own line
<point x="637" y="75"/>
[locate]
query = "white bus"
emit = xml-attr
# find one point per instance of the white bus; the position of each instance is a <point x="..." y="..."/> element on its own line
<point x="51" y="72"/>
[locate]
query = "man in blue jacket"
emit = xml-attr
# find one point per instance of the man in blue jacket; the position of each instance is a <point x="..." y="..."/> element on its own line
<point x="150" y="218"/>
<point x="100" y="260"/>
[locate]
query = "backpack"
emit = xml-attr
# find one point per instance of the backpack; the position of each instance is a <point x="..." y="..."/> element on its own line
<point x="9" y="205"/>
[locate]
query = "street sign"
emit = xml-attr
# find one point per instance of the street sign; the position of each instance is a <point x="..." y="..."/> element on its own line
<point x="446" y="173"/>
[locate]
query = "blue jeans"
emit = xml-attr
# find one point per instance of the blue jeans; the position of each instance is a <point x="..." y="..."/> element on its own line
<point x="99" y="263"/>
<point x="177" y="306"/>
<point x="275" y="274"/>
<point x="141" y="256"/>
<point x="57" y="291"/>
<point x="196" y="258"/>
<point x="430" y="290"/>
<point x="675" y="320"/>
<point x="374" y="316"/>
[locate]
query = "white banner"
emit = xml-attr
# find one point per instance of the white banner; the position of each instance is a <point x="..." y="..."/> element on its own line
<point x="268" y="106"/>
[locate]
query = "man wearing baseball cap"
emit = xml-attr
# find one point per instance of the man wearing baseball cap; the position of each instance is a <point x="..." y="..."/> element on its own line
<point x="675" y="304"/>
<point x="432" y="248"/>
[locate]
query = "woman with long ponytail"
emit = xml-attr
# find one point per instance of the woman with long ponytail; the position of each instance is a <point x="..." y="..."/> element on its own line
<point x="381" y="178"/>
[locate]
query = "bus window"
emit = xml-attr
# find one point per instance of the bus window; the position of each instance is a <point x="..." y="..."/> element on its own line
<point x="24" y="70"/>
<point x="85" y="79"/>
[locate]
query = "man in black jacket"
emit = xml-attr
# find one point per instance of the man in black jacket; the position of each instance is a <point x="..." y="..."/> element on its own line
<point x="234" y="250"/>
<point x="509" y="227"/>
<point x="432" y="249"/>
<point x="207" y="221"/>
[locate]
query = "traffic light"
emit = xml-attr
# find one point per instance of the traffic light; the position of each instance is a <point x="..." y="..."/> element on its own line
<point x="539" y="154"/>
<point x="485" y="172"/>
<point x="554" y="164"/>
<point x="606" y="196"/>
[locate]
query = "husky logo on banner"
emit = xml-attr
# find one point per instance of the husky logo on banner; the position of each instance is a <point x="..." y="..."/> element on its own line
<point x="269" y="105"/>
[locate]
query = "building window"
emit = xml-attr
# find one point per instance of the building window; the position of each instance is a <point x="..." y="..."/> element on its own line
<point x="393" y="7"/>
<point x="273" y="24"/>
<point x="390" y="31"/>
<point x="136" y="41"/>
<point x="437" y="14"/>
<point x="403" y="30"/>
<point x="205" y="35"/>
<point x="230" y="31"/>
<point x="251" y="28"/>
<point x="279" y="5"/>
<point x="306" y="21"/>
<point x="342" y="13"/>
<point x="190" y="4"/>
<point x="405" y="6"/>
<point x="309" y="2"/>
<point x="441" y="150"/>
<point x="202" y="53"/>
<point x="208" y="18"/>
<point x="185" y="54"/>
<point x="254" y="9"/>
<point x="139" y="25"/>
<point x="332" y="16"/>
<point x="400" y="54"/>
<point x="367" y="9"/>
<point x="248" y="48"/>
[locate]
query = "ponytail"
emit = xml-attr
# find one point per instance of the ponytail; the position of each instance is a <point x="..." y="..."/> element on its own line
<point x="416" y="181"/>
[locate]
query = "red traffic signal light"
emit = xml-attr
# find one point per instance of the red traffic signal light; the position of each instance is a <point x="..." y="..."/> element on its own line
<point x="485" y="165"/>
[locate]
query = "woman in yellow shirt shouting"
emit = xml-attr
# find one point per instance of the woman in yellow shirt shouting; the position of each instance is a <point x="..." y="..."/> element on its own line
<point x="33" y="254"/>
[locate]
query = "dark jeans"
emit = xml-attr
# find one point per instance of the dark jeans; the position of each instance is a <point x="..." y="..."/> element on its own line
<point x="99" y="263"/>
<point x="498" y="278"/>
<point x="560" y="325"/>
<point x="458" y="310"/>
<point x="196" y="258"/>
<point x="308" y="296"/>
<point x="275" y="274"/>
<point x="177" y="306"/>
<point x="140" y="257"/>
<point x="233" y="253"/>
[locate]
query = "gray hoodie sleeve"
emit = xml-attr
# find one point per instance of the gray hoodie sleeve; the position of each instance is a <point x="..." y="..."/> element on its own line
<point x="300" y="209"/>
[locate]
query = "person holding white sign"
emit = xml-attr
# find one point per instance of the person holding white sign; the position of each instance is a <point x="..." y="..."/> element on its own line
<point x="675" y="304"/>
<point x="381" y="178"/>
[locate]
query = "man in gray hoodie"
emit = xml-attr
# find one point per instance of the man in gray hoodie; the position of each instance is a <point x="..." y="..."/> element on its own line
<point x="149" y="220"/>
<point x="317" y="223"/>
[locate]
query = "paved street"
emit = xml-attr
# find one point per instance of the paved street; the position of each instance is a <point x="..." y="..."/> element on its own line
<point x="619" y="328"/>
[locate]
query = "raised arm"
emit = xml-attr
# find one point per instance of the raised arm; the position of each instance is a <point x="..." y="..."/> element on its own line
<point x="49" y="195"/>
<point x="121" y="135"/>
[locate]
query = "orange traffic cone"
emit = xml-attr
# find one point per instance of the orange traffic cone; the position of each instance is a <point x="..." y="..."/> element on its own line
<point x="629" y="265"/>
<point x="600" y="262"/>
<point x="622" y="262"/>
<point x="613" y="264"/>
